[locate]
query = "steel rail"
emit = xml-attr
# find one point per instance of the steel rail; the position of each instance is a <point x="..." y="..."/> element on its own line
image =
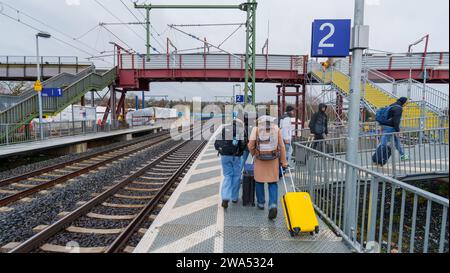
<point x="22" y="194"/>
<point x="35" y="241"/>
<point x="43" y="170"/>
<point x="123" y="238"/>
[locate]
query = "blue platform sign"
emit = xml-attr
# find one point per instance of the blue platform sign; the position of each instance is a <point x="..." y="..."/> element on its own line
<point x="240" y="99"/>
<point x="331" y="38"/>
<point x="52" y="92"/>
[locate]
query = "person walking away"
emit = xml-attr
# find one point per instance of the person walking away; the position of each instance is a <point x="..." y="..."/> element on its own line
<point x="230" y="147"/>
<point x="390" y="118"/>
<point x="246" y="151"/>
<point x="267" y="147"/>
<point x="287" y="131"/>
<point x="319" y="126"/>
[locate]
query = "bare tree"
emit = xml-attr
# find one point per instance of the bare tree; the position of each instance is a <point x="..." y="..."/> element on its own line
<point x="14" y="88"/>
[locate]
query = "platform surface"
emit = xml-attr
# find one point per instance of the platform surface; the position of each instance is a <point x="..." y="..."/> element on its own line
<point x="193" y="221"/>
<point x="33" y="146"/>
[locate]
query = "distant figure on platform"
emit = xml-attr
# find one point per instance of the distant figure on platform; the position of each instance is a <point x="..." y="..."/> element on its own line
<point x="287" y="130"/>
<point x="267" y="147"/>
<point x="390" y="118"/>
<point x="231" y="147"/>
<point x="319" y="126"/>
<point x="246" y="129"/>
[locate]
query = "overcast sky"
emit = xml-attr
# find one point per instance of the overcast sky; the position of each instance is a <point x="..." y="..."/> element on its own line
<point x="394" y="24"/>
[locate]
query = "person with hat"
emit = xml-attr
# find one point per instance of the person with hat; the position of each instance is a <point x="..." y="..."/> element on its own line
<point x="267" y="147"/>
<point x="392" y="125"/>
<point x="287" y="130"/>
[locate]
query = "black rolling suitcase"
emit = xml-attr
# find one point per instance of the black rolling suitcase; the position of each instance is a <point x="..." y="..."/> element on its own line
<point x="248" y="184"/>
<point x="382" y="155"/>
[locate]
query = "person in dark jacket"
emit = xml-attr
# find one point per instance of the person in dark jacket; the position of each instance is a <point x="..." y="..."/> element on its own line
<point x="231" y="146"/>
<point x="393" y="126"/>
<point x="319" y="125"/>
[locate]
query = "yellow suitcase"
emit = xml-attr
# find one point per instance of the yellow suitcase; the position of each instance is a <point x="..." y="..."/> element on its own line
<point x="299" y="212"/>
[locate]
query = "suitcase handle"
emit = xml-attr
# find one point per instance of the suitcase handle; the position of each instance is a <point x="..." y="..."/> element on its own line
<point x="284" y="179"/>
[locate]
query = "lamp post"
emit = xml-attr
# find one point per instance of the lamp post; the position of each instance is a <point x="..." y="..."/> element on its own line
<point x="426" y="39"/>
<point x="422" y="104"/>
<point x="38" y="63"/>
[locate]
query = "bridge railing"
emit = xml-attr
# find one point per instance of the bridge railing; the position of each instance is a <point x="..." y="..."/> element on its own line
<point x="212" y="61"/>
<point x="83" y="82"/>
<point x="25" y="66"/>
<point x="428" y="151"/>
<point x="390" y="216"/>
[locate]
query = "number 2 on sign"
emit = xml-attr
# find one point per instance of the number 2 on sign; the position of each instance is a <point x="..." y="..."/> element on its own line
<point x="332" y="28"/>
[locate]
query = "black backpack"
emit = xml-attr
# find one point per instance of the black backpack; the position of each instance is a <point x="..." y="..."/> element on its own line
<point x="227" y="147"/>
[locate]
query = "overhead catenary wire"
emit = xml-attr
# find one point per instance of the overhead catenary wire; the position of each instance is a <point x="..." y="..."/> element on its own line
<point x="229" y="36"/>
<point x="44" y="24"/>
<point x="118" y="38"/>
<point x="207" y="43"/>
<point x="53" y="36"/>
<point x="112" y="14"/>
<point x="118" y="19"/>
<point x="208" y="25"/>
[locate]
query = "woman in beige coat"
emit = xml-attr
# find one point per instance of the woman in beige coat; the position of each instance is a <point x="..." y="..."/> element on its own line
<point x="267" y="171"/>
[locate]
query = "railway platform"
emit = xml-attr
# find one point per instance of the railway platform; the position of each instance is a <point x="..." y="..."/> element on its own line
<point x="193" y="221"/>
<point x="73" y="144"/>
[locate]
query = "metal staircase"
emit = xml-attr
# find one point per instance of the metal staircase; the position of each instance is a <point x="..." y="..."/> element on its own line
<point x="25" y="107"/>
<point x="374" y="96"/>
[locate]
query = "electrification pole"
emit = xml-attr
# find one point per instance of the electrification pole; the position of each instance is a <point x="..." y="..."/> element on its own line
<point x="360" y="41"/>
<point x="250" y="54"/>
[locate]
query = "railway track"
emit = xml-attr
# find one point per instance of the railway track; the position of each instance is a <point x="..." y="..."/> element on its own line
<point x="110" y="221"/>
<point x="19" y="187"/>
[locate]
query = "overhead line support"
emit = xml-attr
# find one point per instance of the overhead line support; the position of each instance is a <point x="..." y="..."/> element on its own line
<point x="250" y="55"/>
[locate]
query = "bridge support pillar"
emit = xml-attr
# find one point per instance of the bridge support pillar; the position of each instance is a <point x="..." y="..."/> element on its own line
<point x="300" y="109"/>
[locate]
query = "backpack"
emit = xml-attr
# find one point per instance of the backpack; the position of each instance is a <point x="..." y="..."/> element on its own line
<point x="382" y="115"/>
<point x="267" y="143"/>
<point x="228" y="147"/>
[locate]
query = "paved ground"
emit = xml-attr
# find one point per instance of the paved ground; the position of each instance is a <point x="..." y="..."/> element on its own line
<point x="193" y="221"/>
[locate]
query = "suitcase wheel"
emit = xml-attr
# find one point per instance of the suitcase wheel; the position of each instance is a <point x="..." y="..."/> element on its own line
<point x="311" y="233"/>
<point x="316" y="230"/>
<point x="297" y="231"/>
<point x="292" y="233"/>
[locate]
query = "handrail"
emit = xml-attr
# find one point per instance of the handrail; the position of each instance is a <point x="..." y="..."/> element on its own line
<point x="434" y="197"/>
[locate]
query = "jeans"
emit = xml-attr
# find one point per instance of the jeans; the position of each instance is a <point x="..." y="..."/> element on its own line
<point x="288" y="153"/>
<point x="261" y="196"/>
<point x="319" y="144"/>
<point x="244" y="158"/>
<point x="385" y="139"/>
<point x="231" y="167"/>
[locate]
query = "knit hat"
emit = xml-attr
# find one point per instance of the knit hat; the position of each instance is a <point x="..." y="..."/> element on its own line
<point x="402" y="100"/>
<point x="289" y="109"/>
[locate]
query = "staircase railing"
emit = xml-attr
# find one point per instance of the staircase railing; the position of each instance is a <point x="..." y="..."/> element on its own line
<point x="26" y="109"/>
<point x="59" y="80"/>
<point x="414" y="90"/>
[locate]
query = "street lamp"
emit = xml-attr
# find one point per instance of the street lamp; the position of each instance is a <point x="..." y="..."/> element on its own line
<point x="422" y="105"/>
<point x="44" y="35"/>
<point x="426" y="39"/>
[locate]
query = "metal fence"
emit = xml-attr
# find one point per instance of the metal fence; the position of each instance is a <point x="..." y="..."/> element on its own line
<point x="24" y="67"/>
<point x="19" y="133"/>
<point x="212" y="61"/>
<point x="371" y="211"/>
<point x="428" y="151"/>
